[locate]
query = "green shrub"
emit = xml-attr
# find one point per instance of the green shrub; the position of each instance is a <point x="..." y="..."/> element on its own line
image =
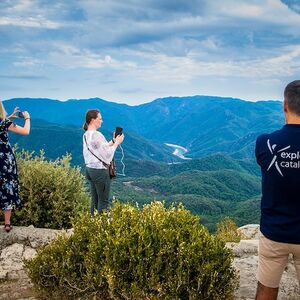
<point x="52" y="192"/>
<point x="227" y="231"/>
<point x="132" y="253"/>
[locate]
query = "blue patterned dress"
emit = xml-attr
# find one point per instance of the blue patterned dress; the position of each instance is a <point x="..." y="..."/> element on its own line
<point x="9" y="183"/>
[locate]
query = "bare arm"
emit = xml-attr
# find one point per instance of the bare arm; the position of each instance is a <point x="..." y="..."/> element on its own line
<point x="25" y="130"/>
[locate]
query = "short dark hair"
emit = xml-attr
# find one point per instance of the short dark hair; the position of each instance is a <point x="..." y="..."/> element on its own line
<point x="292" y="96"/>
<point x="90" y="114"/>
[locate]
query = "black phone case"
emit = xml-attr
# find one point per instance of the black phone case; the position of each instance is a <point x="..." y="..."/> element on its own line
<point x="118" y="131"/>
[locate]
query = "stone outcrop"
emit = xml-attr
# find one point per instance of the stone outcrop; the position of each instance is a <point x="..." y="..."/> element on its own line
<point x="250" y="232"/>
<point x="22" y="242"/>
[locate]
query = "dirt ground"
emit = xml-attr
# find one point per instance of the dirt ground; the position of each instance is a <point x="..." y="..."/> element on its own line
<point x="17" y="290"/>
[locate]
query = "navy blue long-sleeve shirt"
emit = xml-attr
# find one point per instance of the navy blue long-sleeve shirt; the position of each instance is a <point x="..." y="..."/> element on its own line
<point x="278" y="155"/>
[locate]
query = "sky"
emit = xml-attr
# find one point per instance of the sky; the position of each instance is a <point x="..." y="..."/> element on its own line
<point x="135" y="51"/>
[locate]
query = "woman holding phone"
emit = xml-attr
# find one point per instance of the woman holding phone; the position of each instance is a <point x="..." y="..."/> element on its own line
<point x="98" y="154"/>
<point x="9" y="182"/>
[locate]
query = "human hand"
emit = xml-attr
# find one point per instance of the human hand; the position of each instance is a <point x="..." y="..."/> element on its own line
<point x="119" y="139"/>
<point x="14" y="114"/>
<point x="26" y="115"/>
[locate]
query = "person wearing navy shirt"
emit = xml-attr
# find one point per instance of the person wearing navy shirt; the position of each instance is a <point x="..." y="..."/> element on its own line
<point x="278" y="155"/>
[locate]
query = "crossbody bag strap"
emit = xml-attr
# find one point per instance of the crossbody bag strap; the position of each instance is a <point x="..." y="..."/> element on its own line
<point x="104" y="163"/>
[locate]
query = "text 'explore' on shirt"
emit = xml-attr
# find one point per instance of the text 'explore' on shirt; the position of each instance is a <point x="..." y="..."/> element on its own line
<point x="278" y="155"/>
<point x="100" y="147"/>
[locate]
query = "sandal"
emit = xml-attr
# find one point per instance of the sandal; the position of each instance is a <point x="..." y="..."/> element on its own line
<point x="7" y="227"/>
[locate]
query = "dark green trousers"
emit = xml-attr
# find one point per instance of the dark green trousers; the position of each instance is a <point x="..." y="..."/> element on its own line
<point x="100" y="187"/>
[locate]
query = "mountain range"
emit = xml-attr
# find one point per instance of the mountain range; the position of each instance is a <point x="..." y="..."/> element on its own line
<point x="202" y="124"/>
<point x="222" y="177"/>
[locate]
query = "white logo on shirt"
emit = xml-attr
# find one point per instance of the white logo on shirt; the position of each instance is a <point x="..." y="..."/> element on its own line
<point x="274" y="160"/>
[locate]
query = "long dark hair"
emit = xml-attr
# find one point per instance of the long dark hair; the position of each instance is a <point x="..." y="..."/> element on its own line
<point x="90" y="114"/>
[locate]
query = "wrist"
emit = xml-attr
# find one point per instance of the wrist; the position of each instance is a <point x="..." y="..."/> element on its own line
<point x="27" y="119"/>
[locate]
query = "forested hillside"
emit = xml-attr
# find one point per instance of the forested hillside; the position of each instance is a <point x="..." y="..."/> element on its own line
<point x="214" y="187"/>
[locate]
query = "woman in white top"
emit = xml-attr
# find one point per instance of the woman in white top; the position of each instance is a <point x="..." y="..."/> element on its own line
<point x="95" y="150"/>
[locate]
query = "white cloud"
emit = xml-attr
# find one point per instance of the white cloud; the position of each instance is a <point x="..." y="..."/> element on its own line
<point x="240" y="9"/>
<point x="20" y="6"/>
<point x="71" y="57"/>
<point x="28" y="62"/>
<point x="263" y="11"/>
<point x="152" y="43"/>
<point x="34" y="22"/>
<point x="180" y="69"/>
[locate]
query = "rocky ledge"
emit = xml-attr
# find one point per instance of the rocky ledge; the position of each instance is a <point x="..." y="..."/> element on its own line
<point x="246" y="261"/>
<point x="22" y="242"/>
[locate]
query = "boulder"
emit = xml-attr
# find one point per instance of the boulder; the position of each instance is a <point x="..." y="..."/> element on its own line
<point x="29" y="236"/>
<point x="250" y="231"/>
<point x="20" y="243"/>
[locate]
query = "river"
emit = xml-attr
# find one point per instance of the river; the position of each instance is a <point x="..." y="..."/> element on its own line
<point x="179" y="151"/>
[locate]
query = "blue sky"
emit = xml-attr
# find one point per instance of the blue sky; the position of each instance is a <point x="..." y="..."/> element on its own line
<point x="135" y="51"/>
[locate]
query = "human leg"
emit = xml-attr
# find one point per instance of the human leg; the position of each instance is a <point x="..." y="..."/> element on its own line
<point x="295" y="249"/>
<point x="94" y="195"/>
<point x="99" y="178"/>
<point x="103" y="189"/>
<point x="105" y="202"/>
<point x="7" y="215"/>
<point x="265" y="293"/>
<point x="94" y="200"/>
<point x="272" y="259"/>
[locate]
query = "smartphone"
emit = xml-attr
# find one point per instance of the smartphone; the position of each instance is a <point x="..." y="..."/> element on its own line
<point x="118" y="131"/>
<point x="20" y="115"/>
